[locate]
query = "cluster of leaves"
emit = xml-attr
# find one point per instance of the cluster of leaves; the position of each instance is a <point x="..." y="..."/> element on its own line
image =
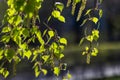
<point x="94" y="35"/>
<point x="20" y="30"/>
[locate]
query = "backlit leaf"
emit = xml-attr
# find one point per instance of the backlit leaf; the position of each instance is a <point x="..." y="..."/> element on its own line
<point x="56" y="14"/>
<point x="56" y="71"/>
<point x="44" y="71"/>
<point x="51" y="33"/>
<point x="61" y="18"/>
<point x="28" y="54"/>
<point x="94" y="19"/>
<point x="59" y="5"/>
<point x="63" y="41"/>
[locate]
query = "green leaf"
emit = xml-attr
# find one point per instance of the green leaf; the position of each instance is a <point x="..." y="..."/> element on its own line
<point x="56" y="14"/>
<point x="25" y="32"/>
<point x="6" y="74"/>
<point x="94" y="52"/>
<point x="56" y="71"/>
<point x="17" y="20"/>
<point x="42" y="49"/>
<point x="28" y="54"/>
<point x="61" y="56"/>
<point x="37" y="72"/>
<point x="17" y="59"/>
<point x="44" y="71"/>
<point x="1" y="70"/>
<point x="9" y="53"/>
<point x="5" y="38"/>
<point x="69" y="75"/>
<point x="38" y="34"/>
<point x="89" y="38"/>
<point x="6" y="29"/>
<point x="95" y="34"/>
<point x="24" y="46"/>
<point x="51" y="33"/>
<point x="1" y="51"/>
<point x="61" y="18"/>
<point x="94" y="19"/>
<point x="59" y="5"/>
<point x="63" y="41"/>
<point x="45" y="57"/>
<point x="100" y="13"/>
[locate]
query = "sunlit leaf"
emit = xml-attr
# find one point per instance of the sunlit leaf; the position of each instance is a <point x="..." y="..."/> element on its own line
<point x="94" y="19"/>
<point x="45" y="57"/>
<point x="28" y="54"/>
<point x="69" y="75"/>
<point x="100" y="13"/>
<point x="51" y="33"/>
<point x="61" y="18"/>
<point x="44" y="71"/>
<point x="63" y="41"/>
<point x="6" y="74"/>
<point x="37" y="72"/>
<point x="95" y="34"/>
<point x="56" y="71"/>
<point x="59" y="5"/>
<point x="6" y="29"/>
<point x="56" y="14"/>
<point x="38" y="34"/>
<point x="89" y="38"/>
<point x="94" y="52"/>
<point x="61" y="56"/>
<point x="5" y="38"/>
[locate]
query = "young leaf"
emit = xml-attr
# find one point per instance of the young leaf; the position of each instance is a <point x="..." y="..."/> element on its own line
<point x="100" y="13"/>
<point x="56" y="71"/>
<point x="56" y="14"/>
<point x="89" y="38"/>
<point x="45" y="57"/>
<point x="59" y="5"/>
<point x="6" y="29"/>
<point x="94" y="19"/>
<point x="44" y="71"/>
<point x="37" y="72"/>
<point x="61" y="56"/>
<point x="61" y="18"/>
<point x="63" y="41"/>
<point x="28" y="54"/>
<point x="51" y="33"/>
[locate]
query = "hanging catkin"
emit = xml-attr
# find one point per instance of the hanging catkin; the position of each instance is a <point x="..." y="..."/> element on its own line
<point x="88" y="58"/>
<point x="82" y="7"/>
<point x="68" y="3"/>
<point x="73" y="8"/>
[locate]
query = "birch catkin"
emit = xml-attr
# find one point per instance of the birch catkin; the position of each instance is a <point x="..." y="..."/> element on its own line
<point x="82" y="7"/>
<point x="73" y="8"/>
<point x="68" y="3"/>
<point x="88" y="58"/>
